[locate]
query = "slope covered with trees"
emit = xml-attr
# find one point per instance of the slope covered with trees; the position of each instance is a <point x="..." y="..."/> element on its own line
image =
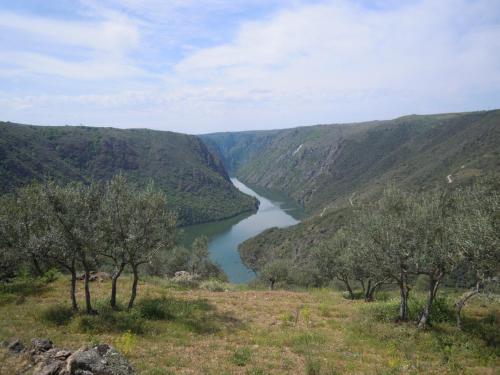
<point x="323" y="166"/>
<point x="194" y="179"/>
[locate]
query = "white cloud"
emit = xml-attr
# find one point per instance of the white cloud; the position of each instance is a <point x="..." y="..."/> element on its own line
<point x="331" y="61"/>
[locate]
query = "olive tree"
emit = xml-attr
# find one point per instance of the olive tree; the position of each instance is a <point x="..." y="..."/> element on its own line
<point x="199" y="255"/>
<point x="334" y="259"/>
<point x="389" y="237"/>
<point x="275" y="271"/>
<point x="115" y="225"/>
<point x="152" y="229"/>
<point x="75" y="210"/>
<point x="477" y="237"/>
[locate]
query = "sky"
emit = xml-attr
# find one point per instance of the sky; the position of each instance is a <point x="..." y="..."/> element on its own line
<point x="199" y="66"/>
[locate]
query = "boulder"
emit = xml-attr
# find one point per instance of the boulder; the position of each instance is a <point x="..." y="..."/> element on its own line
<point x="16" y="346"/>
<point x="52" y="368"/>
<point x="47" y="360"/>
<point x="41" y="345"/>
<point x="99" y="360"/>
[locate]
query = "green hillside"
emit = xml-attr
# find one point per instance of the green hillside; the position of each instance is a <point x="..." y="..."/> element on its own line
<point x="196" y="183"/>
<point x="323" y="166"/>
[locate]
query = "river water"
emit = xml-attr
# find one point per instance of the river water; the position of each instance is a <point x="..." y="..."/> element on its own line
<point x="224" y="236"/>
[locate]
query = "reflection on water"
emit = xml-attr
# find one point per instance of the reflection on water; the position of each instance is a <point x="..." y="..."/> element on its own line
<point x="226" y="235"/>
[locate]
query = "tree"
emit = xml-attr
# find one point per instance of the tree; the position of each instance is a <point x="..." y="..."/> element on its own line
<point x="199" y="255"/>
<point x="152" y="229"/>
<point x="334" y="259"/>
<point x="436" y="251"/>
<point x="477" y="237"/>
<point x="275" y="271"/>
<point x="75" y="211"/>
<point x="389" y="236"/>
<point x="116" y="224"/>
<point x="9" y="256"/>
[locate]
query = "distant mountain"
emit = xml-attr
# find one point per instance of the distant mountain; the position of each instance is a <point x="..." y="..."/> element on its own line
<point x="195" y="180"/>
<point x="322" y="166"/>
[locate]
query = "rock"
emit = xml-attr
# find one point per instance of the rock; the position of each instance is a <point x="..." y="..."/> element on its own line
<point x="41" y="345"/>
<point x="16" y="346"/>
<point x="51" y="368"/>
<point x="62" y="354"/>
<point x="96" y="276"/>
<point x="100" y="360"/>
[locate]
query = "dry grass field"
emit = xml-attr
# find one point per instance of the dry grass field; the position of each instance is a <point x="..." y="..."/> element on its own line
<point x="177" y="330"/>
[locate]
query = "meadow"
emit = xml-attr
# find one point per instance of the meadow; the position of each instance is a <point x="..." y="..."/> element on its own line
<point x="219" y="328"/>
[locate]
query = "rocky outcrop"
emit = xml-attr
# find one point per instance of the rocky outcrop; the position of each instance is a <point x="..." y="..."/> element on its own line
<point x="96" y="276"/>
<point x="46" y="359"/>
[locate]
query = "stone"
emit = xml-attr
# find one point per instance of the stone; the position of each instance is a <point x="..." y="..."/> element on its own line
<point x="101" y="359"/>
<point x="41" y="345"/>
<point x="51" y="368"/>
<point x="16" y="346"/>
<point x="62" y="354"/>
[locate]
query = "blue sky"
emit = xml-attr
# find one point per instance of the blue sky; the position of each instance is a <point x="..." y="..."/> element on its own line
<point x="200" y="66"/>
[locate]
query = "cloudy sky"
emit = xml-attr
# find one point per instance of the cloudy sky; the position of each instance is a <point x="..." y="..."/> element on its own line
<point x="199" y="66"/>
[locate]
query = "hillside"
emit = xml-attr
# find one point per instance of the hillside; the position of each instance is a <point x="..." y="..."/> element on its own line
<point x="177" y="330"/>
<point x="194" y="179"/>
<point x="323" y="166"/>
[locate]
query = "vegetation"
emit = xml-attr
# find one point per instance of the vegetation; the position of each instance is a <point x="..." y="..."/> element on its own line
<point x="172" y="331"/>
<point x="322" y="167"/>
<point x="113" y="225"/>
<point x="396" y="239"/>
<point x="180" y="165"/>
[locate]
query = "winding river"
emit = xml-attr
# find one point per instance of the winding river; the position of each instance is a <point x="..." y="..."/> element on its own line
<point x="224" y="236"/>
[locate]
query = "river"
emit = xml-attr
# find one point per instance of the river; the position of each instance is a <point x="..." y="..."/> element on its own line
<point x="224" y="236"/>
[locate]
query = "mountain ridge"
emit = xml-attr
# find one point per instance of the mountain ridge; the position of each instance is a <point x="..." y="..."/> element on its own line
<point x="195" y="180"/>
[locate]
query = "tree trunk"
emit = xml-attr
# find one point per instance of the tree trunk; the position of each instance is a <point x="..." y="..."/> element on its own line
<point x="425" y="316"/>
<point x="369" y="292"/>
<point x="88" y="302"/>
<point x="348" y="287"/>
<point x="135" y="271"/>
<point x="404" y="292"/>
<point x="74" y="304"/>
<point x="463" y="300"/>
<point x="114" y="280"/>
<point x="362" y="283"/>
<point x="271" y="284"/>
<point x="36" y="265"/>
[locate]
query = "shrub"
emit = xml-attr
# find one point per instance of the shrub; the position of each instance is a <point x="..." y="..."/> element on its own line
<point x="126" y="342"/>
<point x="51" y="275"/>
<point x="154" y="309"/>
<point x="58" y="315"/>
<point x="313" y="367"/>
<point x="387" y="311"/>
<point x="108" y="320"/>
<point x="384" y="311"/>
<point x="357" y="295"/>
<point x="242" y="356"/>
<point x="24" y="286"/>
<point x="214" y="285"/>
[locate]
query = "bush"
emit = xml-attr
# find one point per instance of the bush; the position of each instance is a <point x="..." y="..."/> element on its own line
<point x="155" y="309"/>
<point x="58" y="315"/>
<point x="214" y="285"/>
<point x="387" y="311"/>
<point x="51" y="275"/>
<point x="126" y="342"/>
<point x="242" y="356"/>
<point x="24" y="286"/>
<point x="108" y="320"/>
<point x="313" y="367"/>
<point x="357" y="295"/>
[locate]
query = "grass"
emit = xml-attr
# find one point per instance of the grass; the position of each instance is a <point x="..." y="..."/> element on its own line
<point x="243" y="331"/>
